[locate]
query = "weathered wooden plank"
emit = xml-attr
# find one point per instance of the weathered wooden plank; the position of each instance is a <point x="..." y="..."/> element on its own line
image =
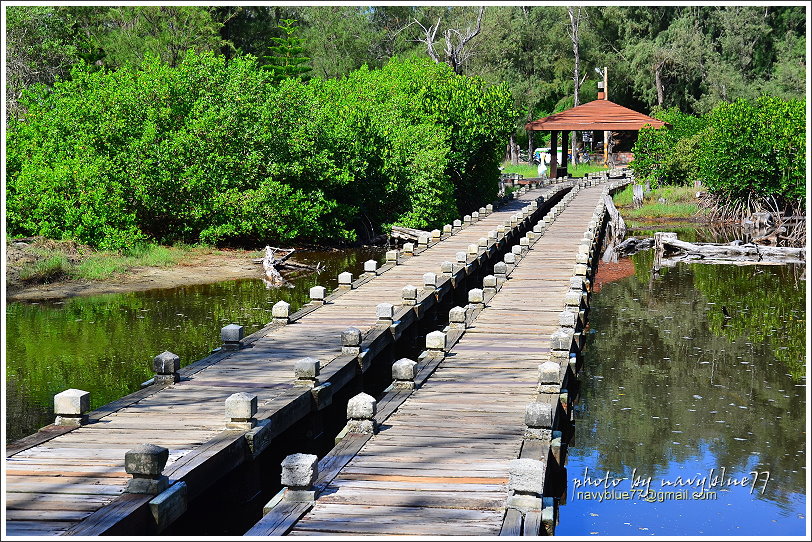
<point x="512" y="523"/>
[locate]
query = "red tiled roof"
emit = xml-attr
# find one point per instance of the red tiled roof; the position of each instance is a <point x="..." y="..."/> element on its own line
<point x="595" y="115"/>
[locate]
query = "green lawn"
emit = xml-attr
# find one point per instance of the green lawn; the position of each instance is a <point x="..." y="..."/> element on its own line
<point x="531" y="170"/>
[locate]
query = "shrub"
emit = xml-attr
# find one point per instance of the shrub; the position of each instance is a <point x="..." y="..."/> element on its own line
<point x="211" y="151"/>
<point x="757" y="147"/>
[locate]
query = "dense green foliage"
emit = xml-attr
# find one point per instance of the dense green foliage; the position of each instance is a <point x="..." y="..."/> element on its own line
<point x="211" y="151"/>
<point x="737" y="149"/>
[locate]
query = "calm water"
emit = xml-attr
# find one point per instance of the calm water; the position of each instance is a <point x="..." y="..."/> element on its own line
<point x="674" y="392"/>
<point x="105" y="344"/>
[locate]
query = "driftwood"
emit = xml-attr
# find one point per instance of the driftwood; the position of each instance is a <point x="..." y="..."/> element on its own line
<point x="633" y="245"/>
<point x="637" y="195"/>
<point x="615" y="231"/>
<point x="668" y="250"/>
<point x="407" y="234"/>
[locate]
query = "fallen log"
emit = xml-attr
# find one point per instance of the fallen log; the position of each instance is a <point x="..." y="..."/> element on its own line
<point x="668" y="250"/>
<point x="407" y="234"/>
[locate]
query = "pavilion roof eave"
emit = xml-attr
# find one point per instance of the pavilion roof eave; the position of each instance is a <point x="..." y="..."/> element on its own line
<point x="595" y="115"/>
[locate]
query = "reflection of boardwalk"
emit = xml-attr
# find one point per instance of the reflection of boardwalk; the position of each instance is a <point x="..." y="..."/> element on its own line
<point x="439" y="465"/>
<point x="73" y="483"/>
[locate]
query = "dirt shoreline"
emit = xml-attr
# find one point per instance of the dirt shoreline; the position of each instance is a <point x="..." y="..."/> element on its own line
<point x="199" y="269"/>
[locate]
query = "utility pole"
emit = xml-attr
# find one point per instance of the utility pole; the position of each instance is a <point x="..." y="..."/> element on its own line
<point x="606" y="134"/>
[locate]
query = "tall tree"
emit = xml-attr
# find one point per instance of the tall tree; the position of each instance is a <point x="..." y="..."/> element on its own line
<point x="286" y="58"/>
<point x="576" y="16"/>
<point x="456" y="47"/>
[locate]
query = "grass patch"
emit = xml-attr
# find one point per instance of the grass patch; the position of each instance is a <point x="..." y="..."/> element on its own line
<point x="102" y="265"/>
<point x="48" y="269"/>
<point x="664" y="202"/>
<point x="530" y="170"/>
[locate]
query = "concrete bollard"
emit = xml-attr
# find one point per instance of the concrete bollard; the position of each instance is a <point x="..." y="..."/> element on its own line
<point x="456" y="226"/>
<point x="517" y="252"/>
<point x="306" y="371"/>
<point x="232" y="335"/>
<point x="489" y="286"/>
<point x="404" y="371"/>
<point x="473" y="251"/>
<point x="493" y="235"/>
<point x="526" y="479"/>
<point x="408" y="295"/>
<point x="385" y="313"/>
<point x="240" y="410"/>
<point x="538" y="417"/>
<point x="392" y="257"/>
<point x="562" y="339"/>
<point x="524" y="244"/>
<point x="466" y="219"/>
<point x="371" y="267"/>
<point x="489" y="208"/>
<point x="462" y="259"/>
<point x="476" y="297"/>
<point x="299" y="474"/>
<point x="423" y="240"/>
<point x="447" y="269"/>
<point x="447" y="229"/>
<point x="146" y="463"/>
<point x="475" y="216"/>
<point x="509" y="258"/>
<point x="351" y="341"/>
<point x="317" y="295"/>
<point x="549" y="377"/>
<point x="361" y="411"/>
<point x="567" y="319"/>
<point x="166" y="366"/>
<point x="436" y="235"/>
<point x="483" y="242"/>
<point x="501" y="229"/>
<point x="345" y="280"/>
<point x="456" y="318"/>
<point x="408" y="249"/>
<point x="483" y="212"/>
<point x="436" y="342"/>
<point x="71" y="407"/>
<point x="430" y="282"/>
<point x="500" y="272"/>
<point x="281" y="312"/>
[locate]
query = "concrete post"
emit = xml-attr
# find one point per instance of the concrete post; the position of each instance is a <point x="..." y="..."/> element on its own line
<point x="489" y="208"/>
<point x="430" y="282"/>
<point x="361" y="411"/>
<point x="447" y="229"/>
<point x="166" y="366"/>
<point x="385" y="313"/>
<point x="476" y="297"/>
<point x="456" y="226"/>
<point x="489" y="286"/>
<point x="435" y="235"/>
<point x="392" y="257"/>
<point x="447" y="269"/>
<point x="475" y="216"/>
<point x="240" y="410"/>
<point x="509" y="258"/>
<point x="317" y="295"/>
<point x="345" y="280"/>
<point x="404" y="371"/>
<point x="466" y="219"/>
<point x="299" y="474"/>
<point x="527" y="478"/>
<point x="71" y="407"/>
<point x="538" y="417"/>
<point x="146" y="463"/>
<point x="371" y="267"/>
<point x="281" y="312"/>
<point x="549" y="377"/>
<point x="436" y="342"/>
<point x="408" y="295"/>
<point x="423" y="240"/>
<point x="306" y="371"/>
<point x="456" y="318"/>
<point x="517" y="252"/>
<point x="473" y="251"/>
<point x="232" y="335"/>
<point x="351" y="341"/>
<point x="500" y="272"/>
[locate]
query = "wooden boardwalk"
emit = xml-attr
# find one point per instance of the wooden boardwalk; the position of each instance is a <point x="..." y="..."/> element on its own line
<point x="439" y="463"/>
<point x="64" y="481"/>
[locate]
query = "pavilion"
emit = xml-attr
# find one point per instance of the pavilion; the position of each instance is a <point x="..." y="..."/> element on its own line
<point x="597" y="115"/>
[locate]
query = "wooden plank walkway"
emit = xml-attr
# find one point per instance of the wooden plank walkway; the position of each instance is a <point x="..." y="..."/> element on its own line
<point x="73" y="482"/>
<point x="439" y="464"/>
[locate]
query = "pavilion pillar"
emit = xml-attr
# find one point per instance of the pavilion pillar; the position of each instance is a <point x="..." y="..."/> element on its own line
<point x="565" y="136"/>
<point x="554" y="154"/>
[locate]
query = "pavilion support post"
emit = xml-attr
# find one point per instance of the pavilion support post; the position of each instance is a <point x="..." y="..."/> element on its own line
<point x="564" y="146"/>
<point x="554" y="154"/>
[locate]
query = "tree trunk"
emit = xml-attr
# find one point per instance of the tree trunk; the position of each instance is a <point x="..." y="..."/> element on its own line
<point x="530" y="147"/>
<point x="575" y="22"/>
<point x="514" y="155"/>
<point x="658" y="82"/>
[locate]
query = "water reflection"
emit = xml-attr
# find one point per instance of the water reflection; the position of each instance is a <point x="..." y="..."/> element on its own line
<point x="673" y="387"/>
<point x="105" y="344"/>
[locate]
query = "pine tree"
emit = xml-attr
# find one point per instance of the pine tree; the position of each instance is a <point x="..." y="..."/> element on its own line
<point x="285" y="59"/>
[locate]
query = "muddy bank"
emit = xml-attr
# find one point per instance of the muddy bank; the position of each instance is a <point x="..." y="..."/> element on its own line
<point x="198" y="269"/>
